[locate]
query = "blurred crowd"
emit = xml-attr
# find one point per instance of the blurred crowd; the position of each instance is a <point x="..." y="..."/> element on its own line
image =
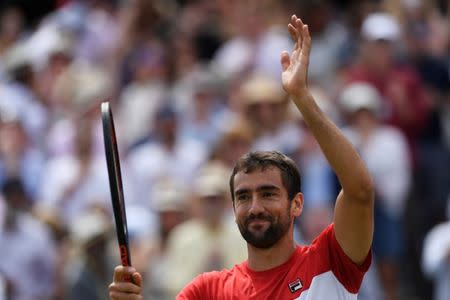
<point x="193" y="85"/>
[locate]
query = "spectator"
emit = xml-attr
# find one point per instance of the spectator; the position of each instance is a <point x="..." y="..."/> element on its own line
<point x="235" y="142"/>
<point x="78" y="90"/>
<point x="264" y="105"/>
<point x="391" y="173"/>
<point x="100" y="33"/>
<point x="405" y="103"/>
<point x="256" y="44"/>
<point x="165" y="154"/>
<point x="329" y="36"/>
<point x="18" y="157"/>
<point x="18" y="92"/>
<point x="209" y="241"/>
<point x="436" y="257"/>
<point x="30" y="267"/>
<point x="73" y="184"/>
<point x="86" y="272"/>
<point x="207" y="116"/>
<point x="170" y="204"/>
<point x="11" y="28"/>
<point x="146" y="91"/>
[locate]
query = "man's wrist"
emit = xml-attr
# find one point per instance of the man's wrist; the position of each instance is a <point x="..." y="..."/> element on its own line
<point x="300" y="96"/>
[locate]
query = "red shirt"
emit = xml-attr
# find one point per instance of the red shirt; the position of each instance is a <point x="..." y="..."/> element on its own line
<point x="319" y="271"/>
<point x="406" y="103"/>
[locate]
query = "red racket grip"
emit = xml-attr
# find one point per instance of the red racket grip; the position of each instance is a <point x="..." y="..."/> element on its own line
<point x="124" y="259"/>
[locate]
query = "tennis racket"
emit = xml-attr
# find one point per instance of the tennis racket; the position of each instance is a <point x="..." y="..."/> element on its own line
<point x="115" y="183"/>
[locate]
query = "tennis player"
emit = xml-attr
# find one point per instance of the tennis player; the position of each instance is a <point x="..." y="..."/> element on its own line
<point x="265" y="188"/>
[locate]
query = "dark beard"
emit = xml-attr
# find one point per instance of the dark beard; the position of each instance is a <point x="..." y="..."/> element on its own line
<point x="268" y="238"/>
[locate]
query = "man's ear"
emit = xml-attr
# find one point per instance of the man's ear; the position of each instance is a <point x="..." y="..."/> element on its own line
<point x="297" y="205"/>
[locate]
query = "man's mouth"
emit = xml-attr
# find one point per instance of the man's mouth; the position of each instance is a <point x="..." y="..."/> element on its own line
<point x="258" y="222"/>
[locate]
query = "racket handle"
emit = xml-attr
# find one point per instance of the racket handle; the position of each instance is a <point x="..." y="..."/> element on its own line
<point x="125" y="262"/>
<point x="124" y="256"/>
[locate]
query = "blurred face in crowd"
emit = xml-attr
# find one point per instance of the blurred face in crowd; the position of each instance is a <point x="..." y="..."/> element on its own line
<point x="315" y="220"/>
<point x="83" y="142"/>
<point x="249" y="15"/>
<point x="266" y="115"/>
<point x="150" y="68"/>
<point x="203" y="100"/>
<point x="212" y="208"/>
<point x="363" y="119"/>
<point x="15" y="195"/>
<point x="11" y="24"/>
<point x="377" y="55"/>
<point x="13" y="139"/>
<point x="235" y="148"/>
<point x="317" y="14"/>
<point x="168" y="219"/>
<point x="166" y="126"/>
<point x="262" y="207"/>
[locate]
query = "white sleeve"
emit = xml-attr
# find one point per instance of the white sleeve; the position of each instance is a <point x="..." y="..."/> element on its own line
<point x="395" y="179"/>
<point x="436" y="249"/>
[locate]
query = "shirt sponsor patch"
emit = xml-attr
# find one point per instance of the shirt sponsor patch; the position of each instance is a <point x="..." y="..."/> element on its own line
<point x="295" y="285"/>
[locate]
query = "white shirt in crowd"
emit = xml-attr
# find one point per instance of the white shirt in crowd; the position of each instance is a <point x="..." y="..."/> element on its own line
<point x="387" y="157"/>
<point x="436" y="259"/>
<point x="152" y="162"/>
<point x="30" y="262"/>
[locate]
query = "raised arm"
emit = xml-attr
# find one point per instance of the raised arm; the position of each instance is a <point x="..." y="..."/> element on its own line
<point x="353" y="216"/>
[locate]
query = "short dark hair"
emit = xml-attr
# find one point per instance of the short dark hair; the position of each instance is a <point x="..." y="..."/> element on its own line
<point x="261" y="160"/>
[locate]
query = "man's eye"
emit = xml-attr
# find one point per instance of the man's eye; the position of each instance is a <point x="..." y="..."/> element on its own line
<point x="243" y="197"/>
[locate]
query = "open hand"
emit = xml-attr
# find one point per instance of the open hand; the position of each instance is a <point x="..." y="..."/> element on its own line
<point x="295" y="67"/>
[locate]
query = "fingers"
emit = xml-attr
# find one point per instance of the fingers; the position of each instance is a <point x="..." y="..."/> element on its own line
<point x="300" y="35"/>
<point x="306" y="44"/>
<point x="295" y="34"/>
<point x="122" y="273"/>
<point x="299" y="27"/>
<point x="124" y="296"/>
<point x="285" y="60"/>
<point x="123" y="289"/>
<point x="137" y="279"/>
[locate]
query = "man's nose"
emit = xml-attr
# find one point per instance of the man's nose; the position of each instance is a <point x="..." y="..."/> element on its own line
<point x="256" y="206"/>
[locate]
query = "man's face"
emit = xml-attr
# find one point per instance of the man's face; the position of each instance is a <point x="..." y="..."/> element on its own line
<point x="378" y="55"/>
<point x="267" y="115"/>
<point x="262" y="207"/>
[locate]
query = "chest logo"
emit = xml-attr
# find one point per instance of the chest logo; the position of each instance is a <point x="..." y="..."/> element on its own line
<point x="295" y="285"/>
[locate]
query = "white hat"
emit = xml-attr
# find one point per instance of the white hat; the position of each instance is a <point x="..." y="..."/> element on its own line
<point x="212" y="181"/>
<point x="360" y="95"/>
<point x="259" y="88"/>
<point x="380" y="26"/>
<point x="167" y="195"/>
<point x="83" y="85"/>
<point x="89" y="226"/>
<point x="16" y="56"/>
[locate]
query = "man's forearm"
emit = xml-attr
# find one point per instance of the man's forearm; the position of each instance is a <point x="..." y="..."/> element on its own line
<point x="341" y="155"/>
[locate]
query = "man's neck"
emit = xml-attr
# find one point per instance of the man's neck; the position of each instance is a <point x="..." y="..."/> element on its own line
<point x="265" y="259"/>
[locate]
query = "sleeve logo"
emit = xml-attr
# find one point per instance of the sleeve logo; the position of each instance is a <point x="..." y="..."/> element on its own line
<point x="295" y="285"/>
